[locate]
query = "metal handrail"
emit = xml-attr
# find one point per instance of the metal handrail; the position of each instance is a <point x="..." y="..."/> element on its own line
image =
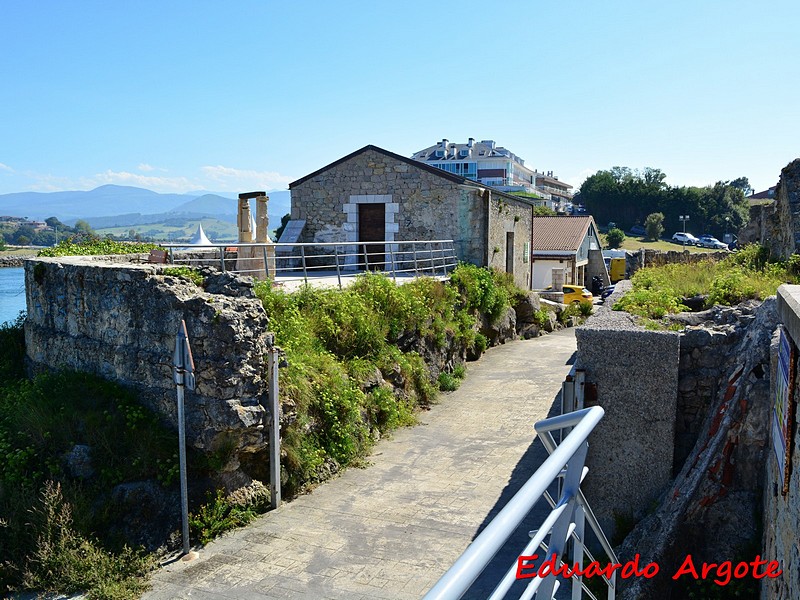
<point x="565" y="521"/>
<point x="304" y="261"/>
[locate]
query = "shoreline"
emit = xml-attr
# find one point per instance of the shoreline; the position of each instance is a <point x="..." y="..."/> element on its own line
<point x="14" y="261"/>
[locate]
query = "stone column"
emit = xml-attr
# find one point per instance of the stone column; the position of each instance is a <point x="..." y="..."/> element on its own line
<point x="243" y="221"/>
<point x="262" y="220"/>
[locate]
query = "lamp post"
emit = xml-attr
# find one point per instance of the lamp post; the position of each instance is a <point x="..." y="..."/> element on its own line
<point x="683" y="219"/>
<point x="727" y="222"/>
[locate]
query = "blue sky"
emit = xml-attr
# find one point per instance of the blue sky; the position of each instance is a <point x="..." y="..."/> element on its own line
<point x="178" y="96"/>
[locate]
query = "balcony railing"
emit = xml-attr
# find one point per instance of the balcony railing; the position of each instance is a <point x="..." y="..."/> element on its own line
<point x="298" y="263"/>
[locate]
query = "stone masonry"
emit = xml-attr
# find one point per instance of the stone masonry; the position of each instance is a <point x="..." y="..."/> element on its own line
<point x="419" y="204"/>
<point x="633" y="374"/>
<point x="120" y="320"/>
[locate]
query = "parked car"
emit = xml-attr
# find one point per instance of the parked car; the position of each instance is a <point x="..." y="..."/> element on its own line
<point x="607" y="291"/>
<point x="638" y="230"/>
<point x="573" y="294"/>
<point x="709" y="241"/>
<point x="684" y="238"/>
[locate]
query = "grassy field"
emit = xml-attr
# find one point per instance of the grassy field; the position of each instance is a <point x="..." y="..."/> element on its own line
<point x="635" y="243"/>
<point x="216" y="230"/>
<point x="17" y="251"/>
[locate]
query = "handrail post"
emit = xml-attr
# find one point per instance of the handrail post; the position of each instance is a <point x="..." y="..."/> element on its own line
<point x="222" y="256"/>
<point x="305" y="272"/>
<point x="444" y="262"/>
<point x="430" y="259"/>
<point x="416" y="267"/>
<point x="171" y="256"/>
<point x="338" y="269"/>
<point x="366" y="258"/>
<point x="266" y="262"/>
<point x="394" y="266"/>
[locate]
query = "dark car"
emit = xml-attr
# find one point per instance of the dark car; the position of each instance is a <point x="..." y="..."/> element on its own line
<point x="607" y="291"/>
<point x="638" y="230"/>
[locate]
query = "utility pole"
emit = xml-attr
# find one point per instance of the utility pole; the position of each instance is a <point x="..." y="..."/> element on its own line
<point x="683" y="219"/>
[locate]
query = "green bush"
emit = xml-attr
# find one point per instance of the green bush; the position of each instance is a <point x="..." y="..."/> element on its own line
<point x="95" y="245"/>
<point x="654" y="226"/>
<point x="615" y="237"/>
<point x="187" y="273"/>
<point x="219" y="515"/>
<point x="447" y="382"/>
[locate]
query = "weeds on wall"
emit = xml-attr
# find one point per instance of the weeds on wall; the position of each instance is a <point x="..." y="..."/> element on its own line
<point x="342" y="344"/>
<point x="749" y="274"/>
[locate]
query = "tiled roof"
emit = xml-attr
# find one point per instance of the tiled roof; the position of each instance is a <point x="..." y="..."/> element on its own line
<point x="559" y="234"/>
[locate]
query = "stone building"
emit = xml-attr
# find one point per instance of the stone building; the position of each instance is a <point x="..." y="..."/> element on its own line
<point x="377" y="195"/>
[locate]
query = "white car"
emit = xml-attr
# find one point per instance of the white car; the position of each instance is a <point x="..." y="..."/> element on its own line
<point x="684" y="238"/>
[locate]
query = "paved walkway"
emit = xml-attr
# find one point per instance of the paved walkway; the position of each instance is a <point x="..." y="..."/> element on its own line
<point x="392" y="529"/>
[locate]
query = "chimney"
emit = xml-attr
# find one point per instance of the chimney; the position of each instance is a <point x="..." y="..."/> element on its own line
<point x="444" y="143"/>
<point x="470" y="142"/>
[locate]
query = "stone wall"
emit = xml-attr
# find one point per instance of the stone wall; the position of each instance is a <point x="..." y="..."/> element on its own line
<point x="782" y="512"/>
<point x="657" y="258"/>
<point x="776" y="224"/>
<point x="419" y="205"/>
<point x="633" y="374"/>
<point x="707" y="354"/>
<point x="119" y="320"/>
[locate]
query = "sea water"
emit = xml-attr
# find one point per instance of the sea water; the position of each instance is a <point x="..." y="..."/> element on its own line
<point x="12" y="293"/>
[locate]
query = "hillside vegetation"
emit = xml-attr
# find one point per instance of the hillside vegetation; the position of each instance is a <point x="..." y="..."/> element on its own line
<point x="341" y="343"/>
<point x="749" y="274"/>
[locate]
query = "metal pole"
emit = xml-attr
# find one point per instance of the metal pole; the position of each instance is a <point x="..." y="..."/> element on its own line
<point x="338" y="269"/>
<point x="222" y="257"/>
<point x="274" y="432"/>
<point x="416" y="267"/>
<point x="303" y="255"/>
<point x="266" y="263"/>
<point x="182" y="455"/>
<point x="394" y="266"/>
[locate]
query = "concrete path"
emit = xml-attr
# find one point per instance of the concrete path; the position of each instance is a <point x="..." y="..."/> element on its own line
<point x="392" y="529"/>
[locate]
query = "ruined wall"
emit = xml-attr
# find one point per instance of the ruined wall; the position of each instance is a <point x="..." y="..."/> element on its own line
<point x="782" y="512"/>
<point x="776" y="224"/>
<point x="633" y="374"/>
<point x="119" y="320"/>
<point x="657" y="258"/>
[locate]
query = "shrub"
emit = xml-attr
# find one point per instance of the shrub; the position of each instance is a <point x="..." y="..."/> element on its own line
<point x="654" y="226"/>
<point x="447" y="382"/>
<point x="615" y="237"/>
<point x="65" y="561"/>
<point x="219" y="515"/>
<point x="95" y="245"/>
<point x="186" y="273"/>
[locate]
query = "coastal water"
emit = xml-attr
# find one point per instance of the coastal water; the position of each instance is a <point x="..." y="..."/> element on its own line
<point x="12" y="293"/>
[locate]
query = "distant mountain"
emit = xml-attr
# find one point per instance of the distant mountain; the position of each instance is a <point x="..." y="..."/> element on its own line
<point x="116" y="205"/>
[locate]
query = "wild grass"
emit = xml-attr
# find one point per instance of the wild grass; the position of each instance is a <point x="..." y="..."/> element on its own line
<point x="748" y="274"/>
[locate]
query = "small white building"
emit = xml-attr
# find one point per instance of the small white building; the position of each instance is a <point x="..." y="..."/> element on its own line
<point x="571" y="244"/>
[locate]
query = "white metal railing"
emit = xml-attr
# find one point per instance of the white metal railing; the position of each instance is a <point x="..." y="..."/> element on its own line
<point x="307" y="261"/>
<point x="566" y="520"/>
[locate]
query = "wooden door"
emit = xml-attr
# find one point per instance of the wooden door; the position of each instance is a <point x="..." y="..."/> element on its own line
<point x="372" y="228"/>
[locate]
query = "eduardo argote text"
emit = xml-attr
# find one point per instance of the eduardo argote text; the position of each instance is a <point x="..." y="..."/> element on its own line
<point x="720" y="573"/>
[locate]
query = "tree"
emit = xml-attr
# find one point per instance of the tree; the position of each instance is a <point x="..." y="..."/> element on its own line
<point x="284" y="221"/>
<point x="615" y="237"/>
<point x="654" y="226"/>
<point x="82" y="226"/>
<point x="543" y="211"/>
